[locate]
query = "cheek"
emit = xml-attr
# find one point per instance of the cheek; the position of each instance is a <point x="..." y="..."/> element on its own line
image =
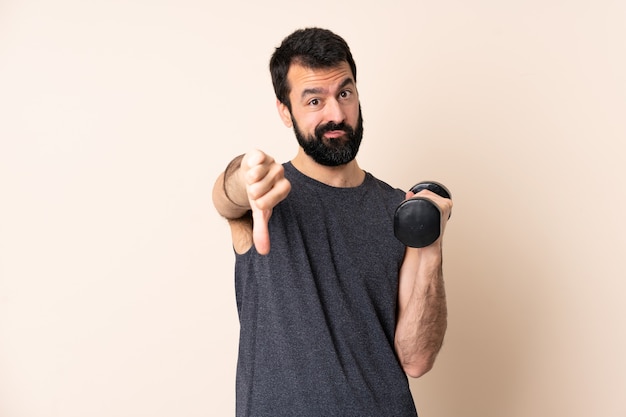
<point x="308" y="122"/>
<point x="355" y="113"/>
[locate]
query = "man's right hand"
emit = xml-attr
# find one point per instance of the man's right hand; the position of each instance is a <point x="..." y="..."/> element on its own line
<point x="266" y="186"/>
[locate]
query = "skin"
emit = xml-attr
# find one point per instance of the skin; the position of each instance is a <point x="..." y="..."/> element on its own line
<point x="257" y="183"/>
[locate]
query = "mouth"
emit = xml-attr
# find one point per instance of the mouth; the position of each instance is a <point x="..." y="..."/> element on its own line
<point x="334" y="134"/>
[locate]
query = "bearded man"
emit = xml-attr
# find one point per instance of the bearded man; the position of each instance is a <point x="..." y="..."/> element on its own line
<point x="336" y="312"/>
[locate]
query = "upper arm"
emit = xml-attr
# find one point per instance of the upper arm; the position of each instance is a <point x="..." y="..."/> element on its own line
<point x="239" y="218"/>
<point x="241" y="233"/>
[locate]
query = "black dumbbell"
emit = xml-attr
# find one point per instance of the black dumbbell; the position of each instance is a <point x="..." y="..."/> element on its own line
<point x="417" y="221"/>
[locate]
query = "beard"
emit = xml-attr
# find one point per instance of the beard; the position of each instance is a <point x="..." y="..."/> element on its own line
<point x="332" y="151"/>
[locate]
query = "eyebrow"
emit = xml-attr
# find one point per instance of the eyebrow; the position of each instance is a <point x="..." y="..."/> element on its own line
<point x="315" y="90"/>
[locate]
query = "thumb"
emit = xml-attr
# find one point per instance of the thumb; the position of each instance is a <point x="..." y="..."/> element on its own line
<point x="260" y="230"/>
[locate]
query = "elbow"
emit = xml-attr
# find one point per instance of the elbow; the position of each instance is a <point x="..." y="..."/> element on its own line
<point x="417" y="360"/>
<point x="416" y="369"/>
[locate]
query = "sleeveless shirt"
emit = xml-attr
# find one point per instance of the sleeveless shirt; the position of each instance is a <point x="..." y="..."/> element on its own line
<point x="317" y="314"/>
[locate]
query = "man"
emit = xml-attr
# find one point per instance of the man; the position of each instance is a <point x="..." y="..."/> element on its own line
<point x="334" y="310"/>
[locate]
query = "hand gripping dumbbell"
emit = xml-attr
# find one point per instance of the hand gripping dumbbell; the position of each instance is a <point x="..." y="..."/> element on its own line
<point x="417" y="221"/>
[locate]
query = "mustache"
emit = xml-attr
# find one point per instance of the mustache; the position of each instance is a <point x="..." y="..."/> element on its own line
<point x="331" y="126"/>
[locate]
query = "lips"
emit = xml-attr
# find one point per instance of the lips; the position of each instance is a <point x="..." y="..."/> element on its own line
<point x="335" y="133"/>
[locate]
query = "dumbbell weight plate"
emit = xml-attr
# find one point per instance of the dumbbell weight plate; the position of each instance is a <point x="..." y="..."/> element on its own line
<point x="433" y="186"/>
<point x="417" y="221"/>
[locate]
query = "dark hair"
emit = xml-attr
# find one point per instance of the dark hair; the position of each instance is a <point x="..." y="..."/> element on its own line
<point x="312" y="48"/>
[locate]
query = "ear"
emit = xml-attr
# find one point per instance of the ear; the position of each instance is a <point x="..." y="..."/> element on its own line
<point x="284" y="113"/>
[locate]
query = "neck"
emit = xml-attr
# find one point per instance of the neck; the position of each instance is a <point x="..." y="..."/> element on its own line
<point x="342" y="176"/>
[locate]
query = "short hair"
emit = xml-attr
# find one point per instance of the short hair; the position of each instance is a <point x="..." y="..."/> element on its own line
<point x="313" y="48"/>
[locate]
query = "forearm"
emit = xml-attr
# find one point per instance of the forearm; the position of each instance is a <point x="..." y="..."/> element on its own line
<point x="422" y="310"/>
<point x="229" y="192"/>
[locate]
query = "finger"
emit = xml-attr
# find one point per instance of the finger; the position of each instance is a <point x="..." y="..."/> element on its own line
<point x="254" y="157"/>
<point x="270" y="198"/>
<point x="256" y="163"/>
<point x="260" y="229"/>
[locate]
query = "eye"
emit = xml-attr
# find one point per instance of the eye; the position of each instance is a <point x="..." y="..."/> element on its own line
<point x="314" y="102"/>
<point x="345" y="94"/>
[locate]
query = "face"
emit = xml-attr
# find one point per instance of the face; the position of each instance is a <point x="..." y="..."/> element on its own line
<point x="325" y="113"/>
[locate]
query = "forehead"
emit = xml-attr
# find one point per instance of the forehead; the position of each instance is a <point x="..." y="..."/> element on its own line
<point x="303" y="78"/>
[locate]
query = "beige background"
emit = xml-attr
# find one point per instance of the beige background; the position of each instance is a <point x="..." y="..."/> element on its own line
<point x="116" y="289"/>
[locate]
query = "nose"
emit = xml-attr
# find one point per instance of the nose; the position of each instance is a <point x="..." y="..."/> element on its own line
<point x="333" y="112"/>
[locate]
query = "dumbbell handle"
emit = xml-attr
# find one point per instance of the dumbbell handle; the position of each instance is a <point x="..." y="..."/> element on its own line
<point x="417" y="221"/>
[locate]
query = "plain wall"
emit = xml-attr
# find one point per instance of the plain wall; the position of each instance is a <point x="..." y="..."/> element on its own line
<point x="116" y="274"/>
